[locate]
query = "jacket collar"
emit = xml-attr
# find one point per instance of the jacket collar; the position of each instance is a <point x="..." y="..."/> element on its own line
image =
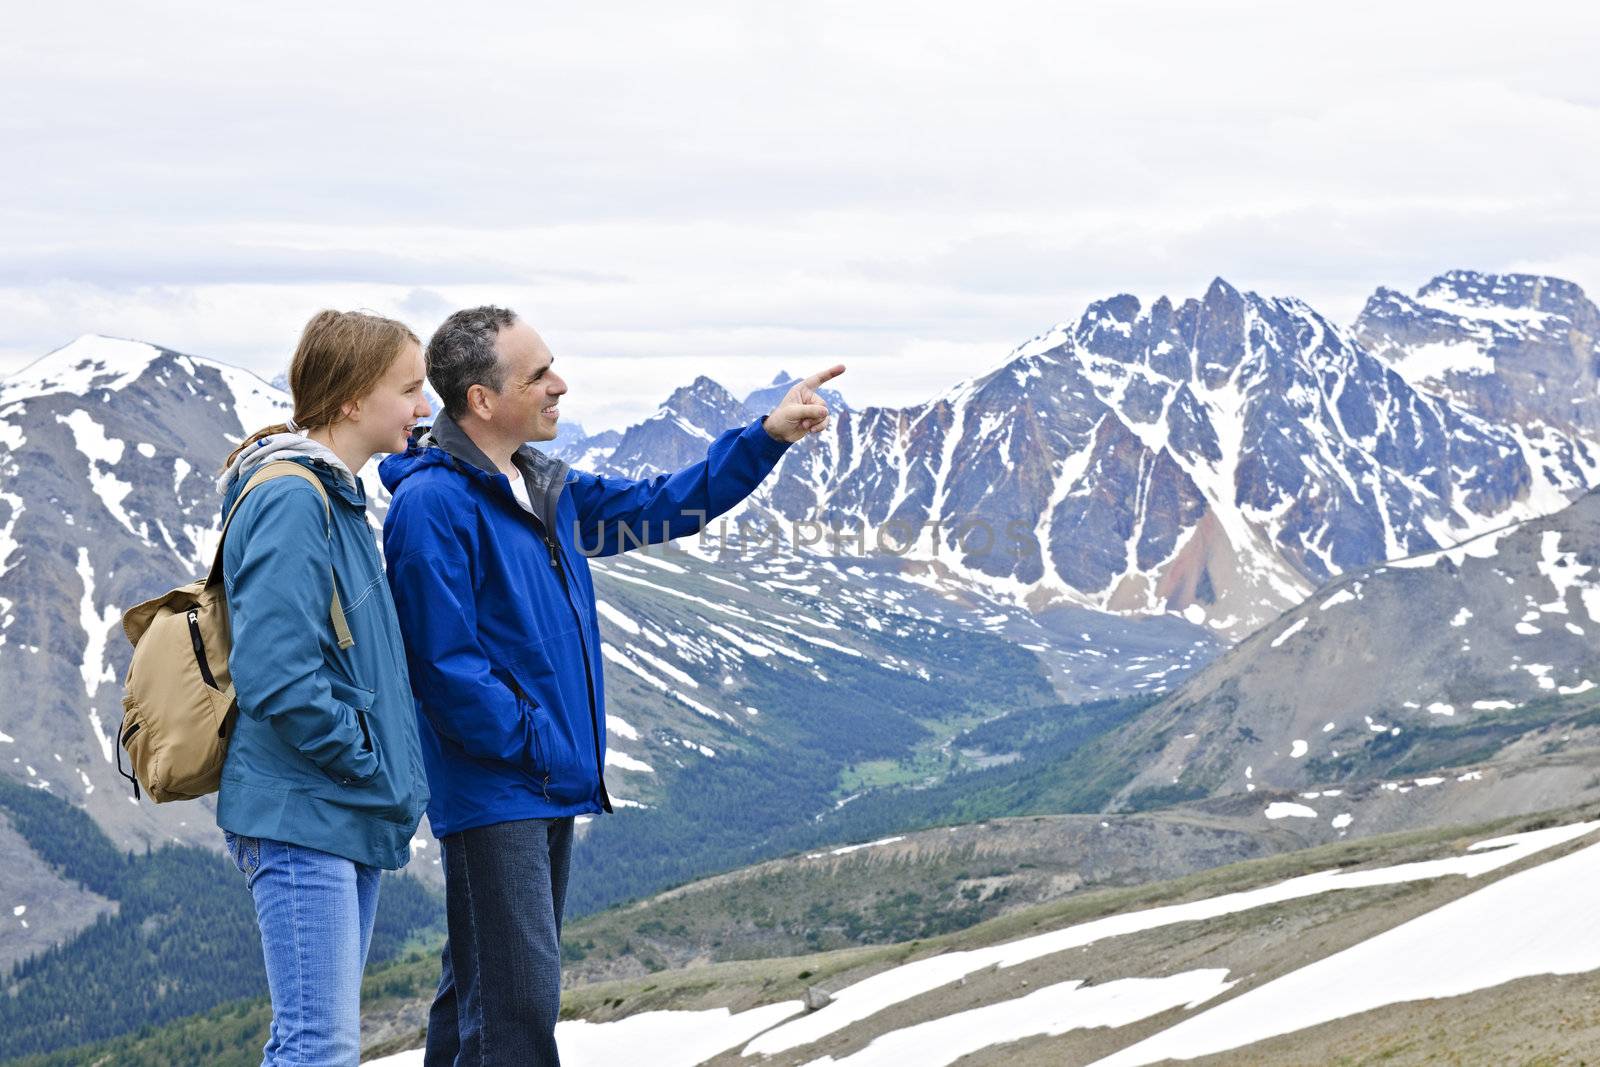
<point x="544" y="475"/>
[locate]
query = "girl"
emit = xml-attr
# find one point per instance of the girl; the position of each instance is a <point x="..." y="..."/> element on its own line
<point x="323" y="785"/>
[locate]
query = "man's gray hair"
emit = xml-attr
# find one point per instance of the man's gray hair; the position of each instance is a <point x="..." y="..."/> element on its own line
<point x="461" y="354"/>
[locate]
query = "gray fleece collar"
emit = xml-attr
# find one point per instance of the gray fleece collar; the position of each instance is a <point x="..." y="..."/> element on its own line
<point x="282" y="446"/>
<point x="544" y="476"/>
<point x="539" y="470"/>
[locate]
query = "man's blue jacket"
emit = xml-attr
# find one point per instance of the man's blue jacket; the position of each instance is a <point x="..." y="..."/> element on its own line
<point x="497" y="609"/>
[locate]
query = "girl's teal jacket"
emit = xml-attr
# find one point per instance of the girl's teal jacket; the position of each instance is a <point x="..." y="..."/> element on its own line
<point x="324" y="752"/>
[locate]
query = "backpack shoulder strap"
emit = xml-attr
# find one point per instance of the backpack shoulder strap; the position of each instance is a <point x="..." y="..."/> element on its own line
<point x="284" y="468"/>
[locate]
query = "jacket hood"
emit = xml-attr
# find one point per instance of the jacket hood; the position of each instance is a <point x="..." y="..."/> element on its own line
<point x="419" y="455"/>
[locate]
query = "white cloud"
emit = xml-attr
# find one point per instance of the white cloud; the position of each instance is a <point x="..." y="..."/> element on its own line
<point x="744" y="189"/>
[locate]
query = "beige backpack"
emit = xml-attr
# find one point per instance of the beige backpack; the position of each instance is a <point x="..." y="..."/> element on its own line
<point x="178" y="702"/>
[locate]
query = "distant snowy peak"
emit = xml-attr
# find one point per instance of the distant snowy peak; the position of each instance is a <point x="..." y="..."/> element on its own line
<point x="1499" y="296"/>
<point x="1217" y="457"/>
<point x="703" y="405"/>
<point x="95" y="364"/>
<point x="674" y="436"/>
<point x="90" y="363"/>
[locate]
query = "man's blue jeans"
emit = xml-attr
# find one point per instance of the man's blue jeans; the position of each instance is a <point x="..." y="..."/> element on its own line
<point x="315" y="911"/>
<point x="500" y="987"/>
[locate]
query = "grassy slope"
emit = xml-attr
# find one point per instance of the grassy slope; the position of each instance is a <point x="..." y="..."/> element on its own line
<point x="917" y="886"/>
<point x="1262" y="943"/>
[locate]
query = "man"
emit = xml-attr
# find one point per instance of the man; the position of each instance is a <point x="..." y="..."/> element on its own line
<point x="498" y="613"/>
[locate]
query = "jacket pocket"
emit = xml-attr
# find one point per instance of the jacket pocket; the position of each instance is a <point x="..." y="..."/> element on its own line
<point x="541" y="745"/>
<point x="360" y="701"/>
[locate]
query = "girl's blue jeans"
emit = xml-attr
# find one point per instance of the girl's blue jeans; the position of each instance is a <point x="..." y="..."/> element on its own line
<point x="315" y="911"/>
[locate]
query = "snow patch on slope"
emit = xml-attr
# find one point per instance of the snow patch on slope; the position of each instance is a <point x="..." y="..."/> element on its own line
<point x="1529" y="923"/>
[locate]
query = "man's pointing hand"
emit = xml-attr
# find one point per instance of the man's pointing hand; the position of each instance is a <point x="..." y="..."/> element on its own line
<point x="802" y="411"/>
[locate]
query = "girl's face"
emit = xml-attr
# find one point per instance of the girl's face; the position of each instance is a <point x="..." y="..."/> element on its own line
<point x="385" y="416"/>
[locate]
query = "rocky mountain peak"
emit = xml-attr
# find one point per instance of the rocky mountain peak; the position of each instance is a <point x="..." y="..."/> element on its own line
<point x="704" y="405"/>
<point x="677" y="433"/>
<point x="1217" y="456"/>
<point x="1532" y="292"/>
<point x="766" y="398"/>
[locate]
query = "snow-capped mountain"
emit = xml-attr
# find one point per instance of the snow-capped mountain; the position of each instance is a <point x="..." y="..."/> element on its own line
<point x="766" y="398"/>
<point x="108" y="453"/>
<point x="1221" y="457"/>
<point x="1215" y="460"/>
<point x="678" y="432"/>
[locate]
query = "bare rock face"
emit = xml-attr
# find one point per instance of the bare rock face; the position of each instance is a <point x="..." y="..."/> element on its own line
<point x="1516" y="348"/>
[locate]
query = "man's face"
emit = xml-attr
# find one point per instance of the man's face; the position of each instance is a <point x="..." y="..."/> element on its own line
<point x="530" y="390"/>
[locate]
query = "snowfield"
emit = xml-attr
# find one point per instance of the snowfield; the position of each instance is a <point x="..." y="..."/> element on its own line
<point x="1535" y="922"/>
<point x="1055" y="1009"/>
<point x="872" y="995"/>
<point x="1539" y="921"/>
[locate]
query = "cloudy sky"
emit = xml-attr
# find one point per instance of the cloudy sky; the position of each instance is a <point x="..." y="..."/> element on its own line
<point x="738" y="189"/>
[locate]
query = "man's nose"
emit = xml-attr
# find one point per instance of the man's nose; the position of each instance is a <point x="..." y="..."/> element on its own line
<point x="558" y="384"/>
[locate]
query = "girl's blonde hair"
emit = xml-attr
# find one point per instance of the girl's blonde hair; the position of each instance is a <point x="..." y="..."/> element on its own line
<point x="341" y="356"/>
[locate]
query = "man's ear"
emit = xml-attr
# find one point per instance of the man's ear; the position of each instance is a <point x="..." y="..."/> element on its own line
<point x="478" y="400"/>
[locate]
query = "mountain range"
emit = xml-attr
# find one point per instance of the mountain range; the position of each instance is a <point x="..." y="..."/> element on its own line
<point x="1253" y="523"/>
<point x="1217" y="458"/>
<point x="1173" y="477"/>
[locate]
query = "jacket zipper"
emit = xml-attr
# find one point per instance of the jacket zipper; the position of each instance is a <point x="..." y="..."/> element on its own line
<point x="200" y="648"/>
<point x="588" y="674"/>
<point x="552" y="496"/>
